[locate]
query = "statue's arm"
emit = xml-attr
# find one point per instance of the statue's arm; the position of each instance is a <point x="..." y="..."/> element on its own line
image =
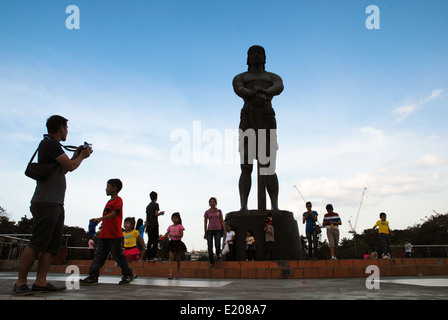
<point x="277" y="86"/>
<point x="240" y="89"/>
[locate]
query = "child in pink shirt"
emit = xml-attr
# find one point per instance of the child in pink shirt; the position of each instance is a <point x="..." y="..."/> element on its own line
<point x="175" y="247"/>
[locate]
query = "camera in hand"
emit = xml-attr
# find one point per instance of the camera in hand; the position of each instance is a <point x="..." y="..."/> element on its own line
<point x="82" y="147"/>
<point x="86" y="145"/>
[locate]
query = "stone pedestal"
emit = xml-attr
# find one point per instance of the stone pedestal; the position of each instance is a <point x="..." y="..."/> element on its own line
<point x="286" y="231"/>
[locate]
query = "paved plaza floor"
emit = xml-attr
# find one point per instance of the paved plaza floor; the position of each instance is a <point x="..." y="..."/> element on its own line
<point x="390" y="288"/>
<point x="278" y="292"/>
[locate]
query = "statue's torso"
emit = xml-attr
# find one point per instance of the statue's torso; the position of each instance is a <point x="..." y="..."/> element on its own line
<point x="257" y="80"/>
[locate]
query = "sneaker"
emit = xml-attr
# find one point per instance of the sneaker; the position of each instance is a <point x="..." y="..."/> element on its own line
<point x="333" y="258"/>
<point x="89" y="281"/>
<point x="22" y="290"/>
<point x="48" y="288"/>
<point x="126" y="280"/>
<point x="177" y="277"/>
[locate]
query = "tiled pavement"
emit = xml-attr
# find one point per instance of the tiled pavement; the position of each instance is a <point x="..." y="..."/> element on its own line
<point x="265" y="289"/>
<point x="144" y="288"/>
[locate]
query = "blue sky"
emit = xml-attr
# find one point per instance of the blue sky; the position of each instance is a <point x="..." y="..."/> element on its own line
<point x="361" y="108"/>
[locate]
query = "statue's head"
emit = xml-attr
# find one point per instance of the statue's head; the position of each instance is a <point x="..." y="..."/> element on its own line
<point x="256" y="55"/>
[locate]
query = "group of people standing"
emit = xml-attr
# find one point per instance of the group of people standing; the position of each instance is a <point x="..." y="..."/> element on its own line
<point x="214" y="227"/>
<point x="331" y="222"/>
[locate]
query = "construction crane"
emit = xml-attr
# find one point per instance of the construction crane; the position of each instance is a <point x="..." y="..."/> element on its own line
<point x="353" y="228"/>
<point x="300" y="194"/>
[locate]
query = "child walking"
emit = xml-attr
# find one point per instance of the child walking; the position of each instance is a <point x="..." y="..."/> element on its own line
<point x="383" y="234"/>
<point x="175" y="247"/>
<point x="110" y="237"/>
<point x="131" y="239"/>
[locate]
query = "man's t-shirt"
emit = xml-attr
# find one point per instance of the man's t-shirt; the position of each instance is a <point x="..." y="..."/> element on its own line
<point x="334" y="218"/>
<point x="151" y="218"/>
<point x="383" y="226"/>
<point x="111" y="228"/>
<point x="52" y="189"/>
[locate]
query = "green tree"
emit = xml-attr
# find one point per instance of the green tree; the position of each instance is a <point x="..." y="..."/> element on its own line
<point x="6" y="226"/>
<point x="25" y="225"/>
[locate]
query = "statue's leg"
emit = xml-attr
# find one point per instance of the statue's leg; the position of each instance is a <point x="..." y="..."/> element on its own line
<point x="261" y="178"/>
<point x="271" y="179"/>
<point x="245" y="184"/>
<point x="272" y="187"/>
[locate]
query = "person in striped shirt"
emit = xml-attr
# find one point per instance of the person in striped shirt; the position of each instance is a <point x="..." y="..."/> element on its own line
<point x="332" y="221"/>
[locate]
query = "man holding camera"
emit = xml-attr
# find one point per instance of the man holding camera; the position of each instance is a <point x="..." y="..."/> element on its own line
<point x="47" y="207"/>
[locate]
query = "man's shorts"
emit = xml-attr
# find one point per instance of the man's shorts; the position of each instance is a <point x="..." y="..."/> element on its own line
<point x="48" y="227"/>
<point x="333" y="237"/>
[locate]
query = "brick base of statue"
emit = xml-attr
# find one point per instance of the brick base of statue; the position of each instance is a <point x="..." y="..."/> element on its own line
<point x="287" y="239"/>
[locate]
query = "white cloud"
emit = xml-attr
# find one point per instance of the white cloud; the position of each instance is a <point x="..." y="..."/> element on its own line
<point x="429" y="161"/>
<point x="403" y="111"/>
<point x="434" y="94"/>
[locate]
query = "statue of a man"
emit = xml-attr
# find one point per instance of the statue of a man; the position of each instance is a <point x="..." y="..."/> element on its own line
<point x="258" y="128"/>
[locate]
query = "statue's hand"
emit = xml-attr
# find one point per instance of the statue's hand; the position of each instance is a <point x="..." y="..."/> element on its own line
<point x="261" y="97"/>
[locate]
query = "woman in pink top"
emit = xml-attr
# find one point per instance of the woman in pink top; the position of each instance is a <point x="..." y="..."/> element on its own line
<point x="214" y="228"/>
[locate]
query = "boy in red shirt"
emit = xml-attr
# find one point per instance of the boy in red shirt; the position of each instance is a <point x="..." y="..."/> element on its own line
<point x="110" y="237"/>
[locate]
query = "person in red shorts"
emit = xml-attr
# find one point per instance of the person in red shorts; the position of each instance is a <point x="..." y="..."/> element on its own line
<point x="110" y="237"/>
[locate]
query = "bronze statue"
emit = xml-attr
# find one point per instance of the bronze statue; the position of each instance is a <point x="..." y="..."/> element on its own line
<point x="258" y="128"/>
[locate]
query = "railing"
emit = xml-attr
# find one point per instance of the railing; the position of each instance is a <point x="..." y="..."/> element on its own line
<point x="424" y="251"/>
<point x="76" y="253"/>
<point x="12" y="245"/>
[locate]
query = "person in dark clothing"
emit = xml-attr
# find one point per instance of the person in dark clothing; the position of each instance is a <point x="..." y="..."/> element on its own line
<point x="152" y="226"/>
<point x="47" y="207"/>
